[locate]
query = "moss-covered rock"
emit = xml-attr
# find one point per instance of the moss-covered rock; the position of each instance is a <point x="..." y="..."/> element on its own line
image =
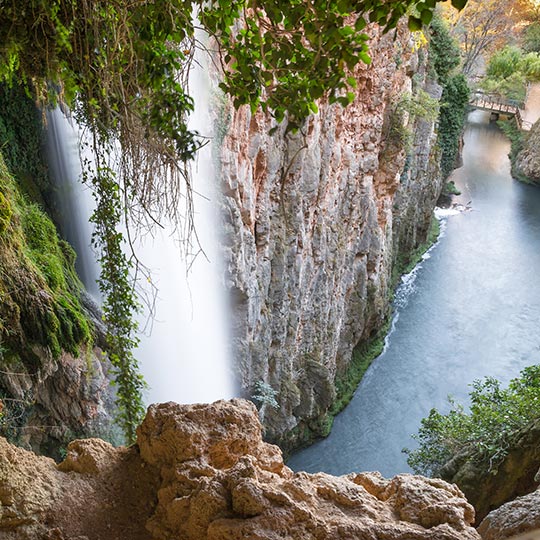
<point x="515" y="476"/>
<point x="52" y="382"/>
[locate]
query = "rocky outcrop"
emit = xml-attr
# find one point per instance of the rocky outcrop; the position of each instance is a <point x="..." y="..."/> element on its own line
<point x="65" y="397"/>
<point x="528" y="160"/>
<point x="516" y="475"/>
<point x="202" y="472"/>
<point x="312" y="234"/>
<point x="518" y="516"/>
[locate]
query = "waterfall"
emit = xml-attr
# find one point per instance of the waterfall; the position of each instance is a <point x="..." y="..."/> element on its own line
<point x="74" y="200"/>
<point x="186" y="357"/>
<point x="184" y="352"/>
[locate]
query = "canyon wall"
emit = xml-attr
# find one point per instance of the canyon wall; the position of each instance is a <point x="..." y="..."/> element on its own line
<point x="315" y="223"/>
<point x="528" y="160"/>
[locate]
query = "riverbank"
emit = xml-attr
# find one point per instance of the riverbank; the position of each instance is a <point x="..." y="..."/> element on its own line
<point x="365" y="353"/>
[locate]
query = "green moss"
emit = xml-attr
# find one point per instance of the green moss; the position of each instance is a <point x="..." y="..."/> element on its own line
<point x="5" y="213"/>
<point x="40" y="301"/>
<point x="362" y="357"/>
<point x="451" y="189"/>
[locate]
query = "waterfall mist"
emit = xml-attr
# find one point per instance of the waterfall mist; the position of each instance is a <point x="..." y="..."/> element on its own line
<point x="186" y="357"/>
<point x="184" y="352"/>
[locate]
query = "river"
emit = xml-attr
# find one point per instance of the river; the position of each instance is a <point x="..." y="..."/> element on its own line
<point x="469" y="310"/>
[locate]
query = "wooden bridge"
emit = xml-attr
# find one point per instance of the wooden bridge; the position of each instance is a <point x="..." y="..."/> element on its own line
<point x="499" y="106"/>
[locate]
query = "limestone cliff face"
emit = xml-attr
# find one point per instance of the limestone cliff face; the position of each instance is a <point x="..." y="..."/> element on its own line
<point x="202" y="472"/>
<point x="528" y="160"/>
<point x="314" y="223"/>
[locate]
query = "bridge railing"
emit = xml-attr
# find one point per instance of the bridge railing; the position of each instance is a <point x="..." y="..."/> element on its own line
<point x="480" y="97"/>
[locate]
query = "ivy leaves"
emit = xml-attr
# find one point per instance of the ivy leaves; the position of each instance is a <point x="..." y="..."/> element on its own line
<point x="286" y="55"/>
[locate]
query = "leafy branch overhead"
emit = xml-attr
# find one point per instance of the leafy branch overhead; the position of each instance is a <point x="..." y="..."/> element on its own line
<point x="125" y="62"/>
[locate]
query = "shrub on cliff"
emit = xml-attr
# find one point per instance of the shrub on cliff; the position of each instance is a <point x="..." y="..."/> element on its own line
<point x="485" y="432"/>
<point x="454" y="105"/>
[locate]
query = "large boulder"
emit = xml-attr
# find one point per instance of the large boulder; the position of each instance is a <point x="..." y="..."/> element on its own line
<point x="521" y="515"/>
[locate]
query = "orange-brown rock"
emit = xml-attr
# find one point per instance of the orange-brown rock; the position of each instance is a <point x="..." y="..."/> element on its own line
<point x="202" y="472"/>
<point x="518" y="516"/>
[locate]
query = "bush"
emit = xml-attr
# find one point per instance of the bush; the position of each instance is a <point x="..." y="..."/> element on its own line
<point x="531" y="38"/>
<point x="455" y="100"/>
<point x="509" y="70"/>
<point x="486" y="432"/>
<point x="444" y="52"/>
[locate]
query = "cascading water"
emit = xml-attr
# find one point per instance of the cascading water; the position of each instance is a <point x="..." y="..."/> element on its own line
<point x="186" y="357"/>
<point x="74" y="200"/>
<point x="183" y="354"/>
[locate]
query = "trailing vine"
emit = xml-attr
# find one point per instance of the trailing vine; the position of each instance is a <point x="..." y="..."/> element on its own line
<point x="120" y="298"/>
<point x="123" y="67"/>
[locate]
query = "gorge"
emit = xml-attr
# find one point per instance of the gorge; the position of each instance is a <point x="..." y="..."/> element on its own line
<point x="322" y="208"/>
<point x="468" y="311"/>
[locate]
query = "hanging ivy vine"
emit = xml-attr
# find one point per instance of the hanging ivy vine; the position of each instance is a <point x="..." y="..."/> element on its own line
<point x="123" y="69"/>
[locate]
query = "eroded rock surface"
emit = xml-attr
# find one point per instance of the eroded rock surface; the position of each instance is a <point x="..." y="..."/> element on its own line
<point x="516" y="475"/>
<point x="528" y="160"/>
<point x="521" y="515"/>
<point x="314" y="225"/>
<point x="202" y="472"/>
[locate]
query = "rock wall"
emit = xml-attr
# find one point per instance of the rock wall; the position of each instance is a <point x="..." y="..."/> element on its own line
<point x="311" y="223"/>
<point x="45" y="405"/>
<point x="202" y="472"/>
<point x="528" y="160"/>
<point x="516" y="475"/>
<point x="53" y="381"/>
<point x="518" y="516"/>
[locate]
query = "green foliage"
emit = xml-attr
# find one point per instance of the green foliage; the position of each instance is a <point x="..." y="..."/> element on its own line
<point x="264" y="394"/>
<point x="486" y="431"/>
<point x="408" y="109"/>
<point x="451" y="189"/>
<point x="445" y="57"/>
<point x="531" y="38"/>
<point x="38" y="282"/>
<point x="120" y="300"/>
<point x="508" y="72"/>
<point x="278" y="54"/>
<point x="455" y="100"/>
<point x="444" y="51"/>
<point x="347" y="383"/>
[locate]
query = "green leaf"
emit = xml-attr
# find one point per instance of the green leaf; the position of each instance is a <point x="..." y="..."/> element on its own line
<point x="365" y="57"/>
<point x="426" y="16"/>
<point x="415" y="24"/>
